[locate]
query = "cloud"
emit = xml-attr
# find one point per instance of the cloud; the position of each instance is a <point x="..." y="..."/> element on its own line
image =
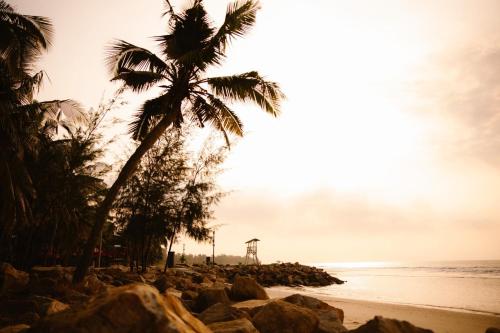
<point x="324" y="225"/>
<point x="461" y="88"/>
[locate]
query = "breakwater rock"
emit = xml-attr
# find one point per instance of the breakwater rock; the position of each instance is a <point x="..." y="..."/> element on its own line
<point x="182" y="300"/>
<point x="285" y="274"/>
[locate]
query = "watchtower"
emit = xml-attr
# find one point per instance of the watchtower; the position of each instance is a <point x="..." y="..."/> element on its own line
<point x="252" y="251"/>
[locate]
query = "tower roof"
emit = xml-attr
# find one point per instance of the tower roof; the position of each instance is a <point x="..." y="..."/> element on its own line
<point x="252" y="240"/>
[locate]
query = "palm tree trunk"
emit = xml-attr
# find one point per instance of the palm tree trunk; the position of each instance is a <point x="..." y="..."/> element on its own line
<point x="170" y="247"/>
<point x="103" y="211"/>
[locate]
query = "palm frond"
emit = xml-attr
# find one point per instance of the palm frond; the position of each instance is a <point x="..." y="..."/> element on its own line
<point x="240" y="17"/>
<point x="227" y="117"/>
<point x="28" y="85"/>
<point x="139" y="80"/>
<point x="248" y="87"/>
<point x="70" y="109"/>
<point x="202" y="58"/>
<point x="219" y="115"/>
<point x="123" y="56"/>
<point x="4" y="6"/>
<point x="190" y="33"/>
<point x="22" y="38"/>
<point x="150" y="110"/>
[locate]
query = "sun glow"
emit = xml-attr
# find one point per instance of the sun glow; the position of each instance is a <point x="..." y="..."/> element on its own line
<point x="346" y="119"/>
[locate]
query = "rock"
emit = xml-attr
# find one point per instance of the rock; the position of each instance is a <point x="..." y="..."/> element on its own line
<point x="46" y="306"/>
<point x="242" y="325"/>
<point x="12" y="280"/>
<point x="211" y="296"/>
<point x="73" y="297"/>
<point x="284" y="317"/>
<point x="44" y="286"/>
<point x="174" y="292"/>
<point x="275" y="274"/>
<point x="133" y="308"/>
<point x="189" y="295"/>
<point x="221" y="312"/>
<point x="313" y="304"/>
<point x="91" y="285"/>
<point x="183" y="283"/>
<point x="28" y="318"/>
<point x="329" y="322"/>
<point x="54" y="307"/>
<point x="384" y="325"/>
<point x="14" y="328"/>
<point x="492" y="330"/>
<point x="245" y="288"/>
<point x="162" y="283"/>
<point x="197" y="278"/>
<point x="59" y="273"/>
<point x="17" y="306"/>
<point x="252" y="306"/>
<point x="330" y="318"/>
<point x="51" y="281"/>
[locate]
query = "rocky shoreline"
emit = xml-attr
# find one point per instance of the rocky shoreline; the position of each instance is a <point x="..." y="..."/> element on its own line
<point x="226" y="299"/>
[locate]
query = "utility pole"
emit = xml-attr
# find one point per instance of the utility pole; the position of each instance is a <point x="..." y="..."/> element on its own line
<point x="100" y="251"/>
<point x="215" y="227"/>
<point x="213" y="247"/>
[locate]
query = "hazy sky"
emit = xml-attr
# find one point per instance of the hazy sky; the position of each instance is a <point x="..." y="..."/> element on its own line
<point x="388" y="145"/>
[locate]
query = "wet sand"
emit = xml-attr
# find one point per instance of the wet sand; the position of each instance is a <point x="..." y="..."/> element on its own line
<point x="357" y="312"/>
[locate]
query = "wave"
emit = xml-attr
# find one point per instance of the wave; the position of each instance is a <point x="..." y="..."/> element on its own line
<point x="462" y="271"/>
<point x="451" y="308"/>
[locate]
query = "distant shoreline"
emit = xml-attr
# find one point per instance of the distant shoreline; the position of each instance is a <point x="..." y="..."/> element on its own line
<point x="440" y="320"/>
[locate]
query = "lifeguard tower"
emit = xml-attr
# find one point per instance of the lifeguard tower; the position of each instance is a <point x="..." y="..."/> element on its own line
<point x="252" y="252"/>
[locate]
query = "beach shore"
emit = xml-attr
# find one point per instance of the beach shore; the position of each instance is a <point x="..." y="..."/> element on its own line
<point x="357" y="312"/>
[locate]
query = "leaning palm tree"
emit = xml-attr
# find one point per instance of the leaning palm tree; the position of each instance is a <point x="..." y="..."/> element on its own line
<point x="190" y="47"/>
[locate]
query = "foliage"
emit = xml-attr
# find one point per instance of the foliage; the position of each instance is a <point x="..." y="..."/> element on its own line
<point x="190" y="46"/>
<point x="200" y="259"/>
<point x="172" y="192"/>
<point x="68" y="179"/>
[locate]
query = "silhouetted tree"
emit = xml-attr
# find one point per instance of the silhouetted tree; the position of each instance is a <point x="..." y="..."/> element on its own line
<point x="68" y="179"/>
<point x="23" y="38"/>
<point x="190" y="47"/>
<point x="172" y="192"/>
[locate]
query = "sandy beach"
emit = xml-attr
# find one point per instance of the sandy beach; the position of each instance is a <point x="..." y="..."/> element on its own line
<point x="358" y="312"/>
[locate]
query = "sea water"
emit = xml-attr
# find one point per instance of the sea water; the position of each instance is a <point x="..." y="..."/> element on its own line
<point x="455" y="285"/>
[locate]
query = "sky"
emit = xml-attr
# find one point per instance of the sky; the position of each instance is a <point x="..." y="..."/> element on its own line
<point x="387" y="146"/>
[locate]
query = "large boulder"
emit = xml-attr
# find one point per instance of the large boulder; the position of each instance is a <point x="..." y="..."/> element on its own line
<point x="91" y="285"/>
<point x="245" y="288"/>
<point x="211" y="296"/>
<point x="329" y="322"/>
<point x="284" y="317"/>
<point x="330" y="318"/>
<point x="251" y="306"/>
<point x="313" y="304"/>
<point x="234" y="326"/>
<point x="11" y="279"/>
<point x="133" y="308"/>
<point x="50" y="281"/>
<point x="384" y="325"/>
<point x="221" y="312"/>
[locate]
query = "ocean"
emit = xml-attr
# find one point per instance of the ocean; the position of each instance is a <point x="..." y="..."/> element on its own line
<point x="456" y="285"/>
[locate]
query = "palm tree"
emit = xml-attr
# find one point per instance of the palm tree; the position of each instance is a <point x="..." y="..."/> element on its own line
<point x="189" y="48"/>
<point x="22" y="39"/>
